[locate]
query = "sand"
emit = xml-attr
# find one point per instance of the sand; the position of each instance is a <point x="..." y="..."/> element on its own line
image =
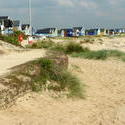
<point x="117" y="43"/>
<point x="7" y="61"/>
<point x="98" y="43"/>
<point x="104" y="103"/>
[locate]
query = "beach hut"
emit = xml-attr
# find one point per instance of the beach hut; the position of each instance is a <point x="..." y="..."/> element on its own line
<point x="48" y="32"/>
<point x="111" y="32"/>
<point x="119" y="31"/>
<point x="6" y="24"/>
<point x="25" y="28"/>
<point x="16" y="25"/>
<point x="78" y="31"/>
<point x="92" y="32"/>
<point x="103" y="32"/>
<point x="68" y="32"/>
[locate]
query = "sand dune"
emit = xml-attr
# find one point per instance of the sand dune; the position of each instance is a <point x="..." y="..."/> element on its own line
<point x="104" y="103"/>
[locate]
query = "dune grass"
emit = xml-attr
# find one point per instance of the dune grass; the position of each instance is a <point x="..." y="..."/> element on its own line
<point x="58" y="47"/>
<point x="74" y="47"/>
<point x="100" y="54"/>
<point x="42" y="44"/>
<point x="76" y="50"/>
<point x="91" y="55"/>
<point x="44" y="74"/>
<point x="49" y="71"/>
<point x="69" y="48"/>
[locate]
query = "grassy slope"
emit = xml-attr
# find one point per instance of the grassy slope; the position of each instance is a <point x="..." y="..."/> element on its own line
<point x="46" y="74"/>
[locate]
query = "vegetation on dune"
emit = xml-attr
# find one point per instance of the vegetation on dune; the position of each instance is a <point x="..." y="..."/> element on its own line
<point x="69" y="48"/>
<point x="12" y="38"/>
<point x="48" y="74"/>
<point x="100" y="54"/>
<point x="76" y="50"/>
<point x="74" y="47"/>
<point x="58" y="47"/>
<point x="91" y="55"/>
<point x="42" y="44"/>
<point x="49" y="71"/>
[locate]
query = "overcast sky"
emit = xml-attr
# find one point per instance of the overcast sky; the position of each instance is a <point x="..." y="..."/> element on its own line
<point x="67" y="13"/>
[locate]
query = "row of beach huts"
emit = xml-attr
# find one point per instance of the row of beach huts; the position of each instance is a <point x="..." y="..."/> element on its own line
<point x="7" y="26"/>
<point x="78" y="31"/>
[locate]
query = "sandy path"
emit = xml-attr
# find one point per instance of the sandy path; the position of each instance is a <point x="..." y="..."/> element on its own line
<point x="104" y="103"/>
<point x="17" y="58"/>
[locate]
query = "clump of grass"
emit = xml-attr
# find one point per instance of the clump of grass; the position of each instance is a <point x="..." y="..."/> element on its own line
<point x="115" y="53"/>
<point x="46" y="74"/>
<point x="51" y="72"/>
<point x="58" y="47"/>
<point x="74" y="47"/>
<point x="42" y="44"/>
<point x="91" y="55"/>
<point x="100" y="54"/>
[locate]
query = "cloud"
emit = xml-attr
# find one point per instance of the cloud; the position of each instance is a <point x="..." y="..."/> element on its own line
<point x="115" y="2"/>
<point x="68" y="3"/>
<point x="88" y="4"/>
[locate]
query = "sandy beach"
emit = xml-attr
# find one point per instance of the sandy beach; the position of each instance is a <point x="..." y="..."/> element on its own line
<point x="104" y="91"/>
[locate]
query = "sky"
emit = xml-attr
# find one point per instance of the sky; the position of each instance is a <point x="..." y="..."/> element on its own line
<point x="67" y="13"/>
